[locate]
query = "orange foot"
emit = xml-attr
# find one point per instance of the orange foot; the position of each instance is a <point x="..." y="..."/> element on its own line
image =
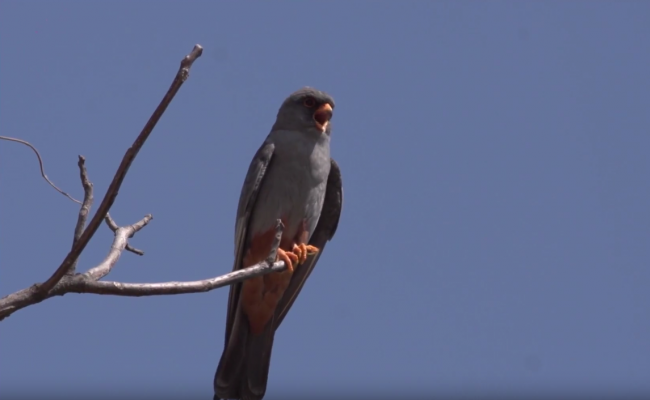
<point x="303" y="250"/>
<point x="288" y="257"/>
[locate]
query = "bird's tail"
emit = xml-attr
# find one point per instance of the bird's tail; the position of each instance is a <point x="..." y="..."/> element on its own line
<point x="244" y="366"/>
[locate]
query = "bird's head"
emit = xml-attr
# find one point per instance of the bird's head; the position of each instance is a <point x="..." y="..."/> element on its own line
<point x="306" y="109"/>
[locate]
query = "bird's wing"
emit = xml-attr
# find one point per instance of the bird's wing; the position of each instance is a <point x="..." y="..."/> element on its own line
<point x="258" y="167"/>
<point x="325" y="230"/>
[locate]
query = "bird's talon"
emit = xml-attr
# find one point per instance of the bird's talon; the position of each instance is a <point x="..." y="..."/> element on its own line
<point x="289" y="259"/>
<point x="312" y="250"/>
<point x="303" y="251"/>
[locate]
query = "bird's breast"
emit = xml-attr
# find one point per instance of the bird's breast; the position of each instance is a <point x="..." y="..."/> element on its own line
<point x="293" y="188"/>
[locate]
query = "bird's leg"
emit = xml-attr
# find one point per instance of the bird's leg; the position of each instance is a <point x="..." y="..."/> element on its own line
<point x="289" y="258"/>
<point x="303" y="251"/>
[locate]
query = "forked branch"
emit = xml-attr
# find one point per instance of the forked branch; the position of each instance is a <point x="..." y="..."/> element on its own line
<point x="118" y="178"/>
<point x="66" y="280"/>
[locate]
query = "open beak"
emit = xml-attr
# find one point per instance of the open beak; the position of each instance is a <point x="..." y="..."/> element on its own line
<point x="322" y="116"/>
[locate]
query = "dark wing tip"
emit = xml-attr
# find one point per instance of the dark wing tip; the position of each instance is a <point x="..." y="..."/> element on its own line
<point x="333" y="203"/>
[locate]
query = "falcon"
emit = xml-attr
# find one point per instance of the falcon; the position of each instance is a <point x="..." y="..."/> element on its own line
<point x="291" y="178"/>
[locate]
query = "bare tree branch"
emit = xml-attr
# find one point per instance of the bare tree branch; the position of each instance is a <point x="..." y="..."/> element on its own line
<point x="85" y="207"/>
<point x="40" y="163"/>
<point x="65" y="280"/>
<point x="88" y="282"/>
<point x="169" y="288"/>
<point x="127" y="160"/>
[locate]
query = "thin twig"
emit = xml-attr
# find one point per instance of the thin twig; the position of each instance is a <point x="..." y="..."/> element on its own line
<point x="131" y="153"/>
<point x="40" y="163"/>
<point x="279" y="227"/>
<point x="85" y="207"/>
<point x="111" y="222"/>
<point x="122" y="235"/>
<point x="134" y="250"/>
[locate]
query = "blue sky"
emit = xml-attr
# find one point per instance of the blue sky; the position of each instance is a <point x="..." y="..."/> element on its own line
<point x="495" y="233"/>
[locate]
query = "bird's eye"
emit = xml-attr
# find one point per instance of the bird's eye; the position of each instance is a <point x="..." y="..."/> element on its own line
<point x="309" y="102"/>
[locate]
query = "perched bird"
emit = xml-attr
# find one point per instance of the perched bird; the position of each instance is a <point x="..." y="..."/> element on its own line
<point x="292" y="178"/>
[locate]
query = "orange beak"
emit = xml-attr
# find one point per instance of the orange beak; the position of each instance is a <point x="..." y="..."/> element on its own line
<point x="322" y="116"/>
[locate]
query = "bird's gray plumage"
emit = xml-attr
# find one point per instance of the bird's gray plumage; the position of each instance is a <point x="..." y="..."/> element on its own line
<point x="325" y="230"/>
<point x="291" y="176"/>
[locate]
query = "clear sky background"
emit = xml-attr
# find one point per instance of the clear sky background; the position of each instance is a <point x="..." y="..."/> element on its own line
<point x="495" y="235"/>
